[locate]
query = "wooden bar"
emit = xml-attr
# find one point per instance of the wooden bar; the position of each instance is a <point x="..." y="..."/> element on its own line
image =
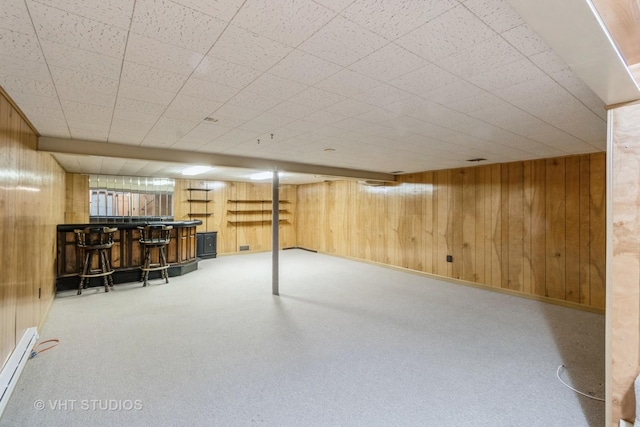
<point x="126" y="253"/>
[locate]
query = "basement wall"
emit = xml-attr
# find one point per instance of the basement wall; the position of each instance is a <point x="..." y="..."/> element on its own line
<point x="32" y="198"/>
<point x="536" y="227"/>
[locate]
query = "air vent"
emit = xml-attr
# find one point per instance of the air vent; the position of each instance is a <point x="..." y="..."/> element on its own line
<point x="211" y="119"/>
<point x="244" y="247"/>
<point x="479" y="159"/>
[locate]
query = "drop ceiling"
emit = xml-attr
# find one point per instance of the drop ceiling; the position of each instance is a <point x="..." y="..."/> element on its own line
<point x="388" y="85"/>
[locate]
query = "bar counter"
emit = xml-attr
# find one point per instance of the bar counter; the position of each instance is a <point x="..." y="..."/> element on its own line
<point x="126" y="253"/>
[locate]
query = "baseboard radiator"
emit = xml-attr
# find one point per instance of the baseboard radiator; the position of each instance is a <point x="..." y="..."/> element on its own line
<point x="14" y="366"/>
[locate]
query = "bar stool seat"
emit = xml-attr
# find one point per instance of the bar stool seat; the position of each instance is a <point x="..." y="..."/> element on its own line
<point x="154" y="236"/>
<point x="95" y="241"/>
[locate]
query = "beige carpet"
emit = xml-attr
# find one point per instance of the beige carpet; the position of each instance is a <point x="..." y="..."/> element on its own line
<point x="346" y="344"/>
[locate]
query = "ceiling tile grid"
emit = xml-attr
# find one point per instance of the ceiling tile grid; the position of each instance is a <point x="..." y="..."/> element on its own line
<point x="412" y="85"/>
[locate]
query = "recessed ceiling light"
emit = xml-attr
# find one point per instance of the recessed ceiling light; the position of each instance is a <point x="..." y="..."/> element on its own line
<point x="195" y="170"/>
<point x="329" y="150"/>
<point x="210" y="119"/>
<point x="479" y="159"/>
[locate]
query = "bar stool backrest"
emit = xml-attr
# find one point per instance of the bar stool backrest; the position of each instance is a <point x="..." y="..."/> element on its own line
<point x="155" y="234"/>
<point x="95" y="237"/>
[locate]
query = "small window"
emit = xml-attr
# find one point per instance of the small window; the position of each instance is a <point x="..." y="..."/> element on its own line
<point x="129" y="198"/>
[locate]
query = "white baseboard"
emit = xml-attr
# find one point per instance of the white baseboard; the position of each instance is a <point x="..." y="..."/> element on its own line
<point x="624" y="423"/>
<point x="14" y="366"/>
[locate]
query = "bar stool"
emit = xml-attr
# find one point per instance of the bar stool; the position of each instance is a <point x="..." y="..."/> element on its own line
<point x="154" y="236"/>
<point x="95" y="241"/>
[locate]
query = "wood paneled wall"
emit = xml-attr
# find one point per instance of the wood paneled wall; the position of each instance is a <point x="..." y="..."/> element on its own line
<point x="239" y="229"/>
<point x="534" y="227"/>
<point x="32" y="198"/>
<point x="76" y="209"/>
<point x="623" y="280"/>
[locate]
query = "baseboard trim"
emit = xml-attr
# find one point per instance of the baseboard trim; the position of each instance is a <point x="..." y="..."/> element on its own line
<point x="15" y="365"/>
<point x="511" y="292"/>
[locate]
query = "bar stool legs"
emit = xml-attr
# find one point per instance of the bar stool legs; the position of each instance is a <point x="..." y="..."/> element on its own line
<point x="95" y="241"/>
<point x="154" y="236"/>
<point x="147" y="266"/>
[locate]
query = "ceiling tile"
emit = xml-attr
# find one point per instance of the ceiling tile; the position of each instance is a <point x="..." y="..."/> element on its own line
<point x="335" y="5"/>
<point x="14" y="84"/>
<point x="497" y="14"/>
<point x="275" y="87"/>
<point x="378" y="115"/>
<point x="324" y="117"/>
<point x="155" y="54"/>
<point x="136" y="110"/>
<point x="154" y="78"/>
<point x="200" y="135"/>
<point x="347" y="83"/>
<point x="221" y="9"/>
<point x="392" y="19"/>
<point x="177" y="25"/>
<point x="451" y="94"/>
<point x="266" y="123"/>
<point x="581" y="91"/>
<point x="255" y="101"/>
<point x="208" y="90"/>
<point x="235" y="137"/>
<point x="15" y="16"/>
<point x="40" y="106"/>
<point x="293" y="110"/>
<point x="247" y="49"/>
<point x="225" y="73"/>
<point x="525" y="40"/>
<point x="424" y="79"/>
<point x="81" y="81"/>
<point x="318" y="98"/>
<point x="72" y="93"/>
<point x="126" y="105"/>
<point x="507" y="75"/>
<point x="112" y="12"/>
<point x="350" y="108"/>
<point x="382" y="95"/>
<point x="492" y="53"/>
<point x="72" y="30"/>
<point x="143" y="93"/>
<point x="127" y="131"/>
<point x="62" y="56"/>
<point x="304" y="68"/>
<point x="289" y="22"/>
<point x="389" y="62"/>
<point x="191" y="108"/>
<point x="23" y="68"/>
<point x="549" y="62"/>
<point x="453" y="30"/>
<point x="235" y="112"/>
<point x="19" y="45"/>
<point x="482" y="101"/>
<point x="167" y="131"/>
<point x="342" y="42"/>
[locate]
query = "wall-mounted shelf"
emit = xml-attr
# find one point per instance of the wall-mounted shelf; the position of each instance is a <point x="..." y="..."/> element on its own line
<point x="199" y="197"/>
<point x="266" y="221"/>
<point x="257" y="212"/>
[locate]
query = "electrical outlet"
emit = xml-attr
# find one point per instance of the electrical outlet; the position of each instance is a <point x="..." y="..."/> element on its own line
<point x="449" y="258"/>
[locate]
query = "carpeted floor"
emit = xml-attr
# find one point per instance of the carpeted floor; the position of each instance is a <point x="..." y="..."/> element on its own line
<point x="346" y="344"/>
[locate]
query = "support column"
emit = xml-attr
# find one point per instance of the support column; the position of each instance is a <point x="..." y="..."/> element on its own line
<point x="275" y="232"/>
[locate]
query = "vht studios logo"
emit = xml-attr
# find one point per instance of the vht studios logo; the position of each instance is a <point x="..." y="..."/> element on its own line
<point x="88" y="405"/>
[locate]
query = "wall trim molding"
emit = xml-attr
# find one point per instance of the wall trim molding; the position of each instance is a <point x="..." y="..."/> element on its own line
<point x="562" y="303"/>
